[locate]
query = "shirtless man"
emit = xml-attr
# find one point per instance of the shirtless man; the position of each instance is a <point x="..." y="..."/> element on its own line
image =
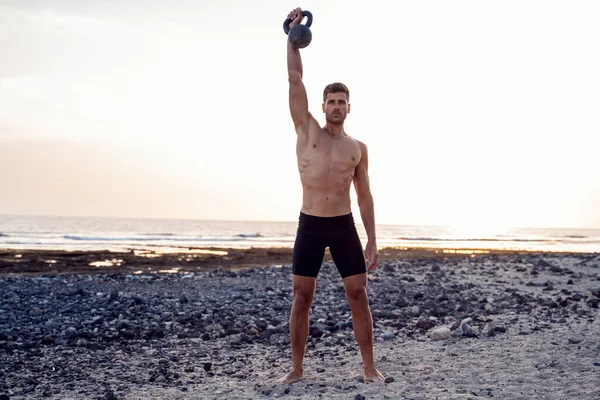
<point x="329" y="161"/>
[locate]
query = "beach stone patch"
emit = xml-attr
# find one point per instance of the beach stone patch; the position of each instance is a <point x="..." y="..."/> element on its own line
<point x="74" y="325"/>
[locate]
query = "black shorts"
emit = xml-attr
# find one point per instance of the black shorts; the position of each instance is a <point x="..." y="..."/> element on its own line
<point x="339" y="234"/>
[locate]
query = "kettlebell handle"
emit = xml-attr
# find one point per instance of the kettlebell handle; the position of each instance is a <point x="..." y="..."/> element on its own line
<point x="307" y="14"/>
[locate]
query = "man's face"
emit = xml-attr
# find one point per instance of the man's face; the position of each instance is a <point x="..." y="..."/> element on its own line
<point x="336" y="107"/>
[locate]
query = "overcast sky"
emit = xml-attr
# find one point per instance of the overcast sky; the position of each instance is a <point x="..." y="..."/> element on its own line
<point x="477" y="114"/>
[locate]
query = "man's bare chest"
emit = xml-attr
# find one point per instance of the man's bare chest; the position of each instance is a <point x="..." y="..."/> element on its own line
<point x="336" y="154"/>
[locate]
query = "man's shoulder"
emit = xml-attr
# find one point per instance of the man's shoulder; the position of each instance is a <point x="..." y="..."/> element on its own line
<point x="362" y="145"/>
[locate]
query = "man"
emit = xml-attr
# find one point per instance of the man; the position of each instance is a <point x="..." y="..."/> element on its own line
<point x="329" y="161"/>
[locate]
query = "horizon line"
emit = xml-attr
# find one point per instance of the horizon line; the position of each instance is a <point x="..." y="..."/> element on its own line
<point x="272" y="221"/>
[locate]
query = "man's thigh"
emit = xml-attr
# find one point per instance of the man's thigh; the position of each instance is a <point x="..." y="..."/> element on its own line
<point x="347" y="253"/>
<point x="309" y="250"/>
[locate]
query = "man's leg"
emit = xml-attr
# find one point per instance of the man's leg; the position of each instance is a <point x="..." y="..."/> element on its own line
<point x="303" y="293"/>
<point x="362" y="321"/>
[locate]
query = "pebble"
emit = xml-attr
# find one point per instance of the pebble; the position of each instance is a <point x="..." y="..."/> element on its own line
<point x="388" y="337"/>
<point x="110" y="395"/>
<point x="441" y="333"/>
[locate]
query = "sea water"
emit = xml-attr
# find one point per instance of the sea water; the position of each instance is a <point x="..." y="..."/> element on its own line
<point x="122" y="234"/>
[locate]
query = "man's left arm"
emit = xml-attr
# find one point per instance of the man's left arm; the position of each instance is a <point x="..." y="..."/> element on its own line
<point x="367" y="207"/>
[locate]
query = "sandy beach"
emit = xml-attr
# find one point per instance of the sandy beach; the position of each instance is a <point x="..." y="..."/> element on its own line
<point x="507" y="325"/>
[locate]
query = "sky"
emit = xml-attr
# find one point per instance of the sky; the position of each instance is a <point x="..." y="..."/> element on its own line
<point x="476" y="114"/>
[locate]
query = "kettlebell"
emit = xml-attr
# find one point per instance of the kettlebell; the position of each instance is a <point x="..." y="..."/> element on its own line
<point x="300" y="35"/>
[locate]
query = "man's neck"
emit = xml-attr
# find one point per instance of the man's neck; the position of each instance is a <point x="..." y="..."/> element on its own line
<point x="335" y="129"/>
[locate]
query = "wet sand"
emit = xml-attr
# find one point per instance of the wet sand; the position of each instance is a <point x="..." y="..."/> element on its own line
<point x="184" y="260"/>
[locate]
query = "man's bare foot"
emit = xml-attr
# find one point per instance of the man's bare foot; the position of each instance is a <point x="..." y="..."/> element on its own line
<point x="373" y="375"/>
<point x="291" y="377"/>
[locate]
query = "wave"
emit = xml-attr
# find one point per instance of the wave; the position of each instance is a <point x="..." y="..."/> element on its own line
<point x="28" y="233"/>
<point x="125" y="239"/>
<point x="432" y="239"/>
<point x="28" y="243"/>
<point x="155" y="239"/>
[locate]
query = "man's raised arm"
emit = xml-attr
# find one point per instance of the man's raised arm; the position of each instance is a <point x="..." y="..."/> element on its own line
<point x="298" y="98"/>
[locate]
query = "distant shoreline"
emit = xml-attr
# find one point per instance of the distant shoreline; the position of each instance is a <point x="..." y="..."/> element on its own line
<point x="188" y="260"/>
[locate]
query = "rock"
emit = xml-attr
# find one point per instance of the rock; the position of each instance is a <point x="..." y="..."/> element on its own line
<point x="389" y="379"/>
<point x="543" y="263"/>
<point x="388" y="337"/>
<point x="109" y="395"/>
<point x="48" y="340"/>
<point x="31" y="381"/>
<point x="280" y="338"/>
<point x="359" y="397"/>
<point x="401" y="302"/>
<point x="425" y="324"/>
<point x="466" y="329"/>
<point x="35" y="311"/>
<point x="489" y="330"/>
<point x="441" y="333"/>
<point x="234" y="339"/>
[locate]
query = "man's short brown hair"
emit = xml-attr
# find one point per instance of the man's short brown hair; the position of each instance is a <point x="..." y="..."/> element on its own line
<point x="336" y="87"/>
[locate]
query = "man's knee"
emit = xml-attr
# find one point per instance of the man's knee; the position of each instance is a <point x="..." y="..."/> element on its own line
<point x="357" y="294"/>
<point x="303" y="292"/>
<point x="356" y="288"/>
<point x="302" y="299"/>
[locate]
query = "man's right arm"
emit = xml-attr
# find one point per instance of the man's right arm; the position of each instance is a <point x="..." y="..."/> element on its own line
<point x="298" y="97"/>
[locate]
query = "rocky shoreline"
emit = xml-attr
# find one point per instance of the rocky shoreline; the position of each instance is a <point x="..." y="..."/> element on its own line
<point x="503" y="324"/>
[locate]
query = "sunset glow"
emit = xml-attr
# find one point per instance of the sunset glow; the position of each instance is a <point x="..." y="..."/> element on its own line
<point x="181" y="112"/>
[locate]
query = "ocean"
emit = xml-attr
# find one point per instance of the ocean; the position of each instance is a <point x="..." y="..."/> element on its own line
<point x="124" y="234"/>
